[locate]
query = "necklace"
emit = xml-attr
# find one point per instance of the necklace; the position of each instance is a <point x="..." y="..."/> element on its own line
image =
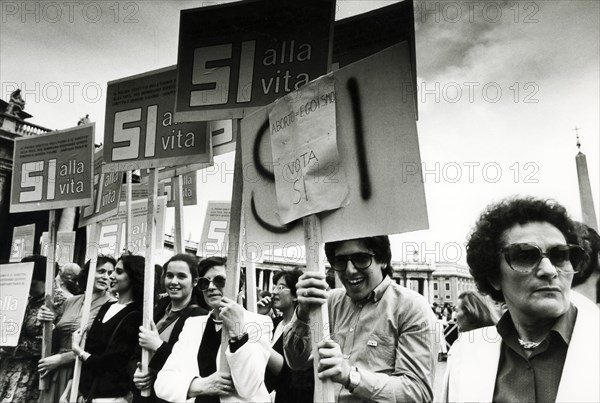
<point x="529" y="345"/>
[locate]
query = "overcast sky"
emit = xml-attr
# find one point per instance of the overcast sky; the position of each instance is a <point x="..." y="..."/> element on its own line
<point x="502" y="86"/>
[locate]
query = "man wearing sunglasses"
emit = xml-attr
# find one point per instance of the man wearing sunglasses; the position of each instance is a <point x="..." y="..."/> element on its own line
<point x="545" y="348"/>
<point x="382" y="345"/>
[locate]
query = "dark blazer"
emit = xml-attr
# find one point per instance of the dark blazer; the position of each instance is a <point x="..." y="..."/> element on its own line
<point x="160" y="356"/>
<point x="290" y="386"/>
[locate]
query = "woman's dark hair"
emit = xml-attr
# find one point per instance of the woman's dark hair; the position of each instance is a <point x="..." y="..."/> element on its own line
<point x="210" y="262"/>
<point x="379" y="245"/>
<point x="101" y="260"/>
<point x="192" y="263"/>
<point x="486" y="239"/>
<point x="134" y="266"/>
<point x="290" y="277"/>
<point x="39" y="267"/>
<point x="591" y="244"/>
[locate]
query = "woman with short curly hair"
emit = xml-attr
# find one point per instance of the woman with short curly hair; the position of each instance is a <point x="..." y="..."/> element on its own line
<point x="524" y="252"/>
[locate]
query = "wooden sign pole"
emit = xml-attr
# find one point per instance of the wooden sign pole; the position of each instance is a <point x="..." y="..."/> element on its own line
<point x="319" y="316"/>
<point x="49" y="297"/>
<point x="148" y="313"/>
<point x="233" y="244"/>
<point x="178" y="199"/>
<point x="128" y="209"/>
<point x="95" y="229"/>
<point x="251" y="298"/>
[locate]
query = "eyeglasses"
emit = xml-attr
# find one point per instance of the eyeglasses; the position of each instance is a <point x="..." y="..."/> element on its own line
<point x="524" y="257"/>
<point x="204" y="282"/>
<point x="280" y="287"/>
<point x="361" y="261"/>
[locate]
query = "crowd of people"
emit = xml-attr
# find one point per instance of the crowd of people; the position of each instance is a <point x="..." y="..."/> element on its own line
<point x="522" y="336"/>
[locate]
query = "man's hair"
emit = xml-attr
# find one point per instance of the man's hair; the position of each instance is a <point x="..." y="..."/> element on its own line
<point x="591" y="244"/>
<point x="39" y="267"/>
<point x="210" y="262"/>
<point x="290" y="277"/>
<point x="486" y="239"/>
<point x="378" y="245"/>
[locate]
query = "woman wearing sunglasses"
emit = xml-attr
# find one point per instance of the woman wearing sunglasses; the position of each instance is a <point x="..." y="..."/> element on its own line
<point x="192" y="369"/>
<point x="179" y="278"/>
<point x="524" y="252"/>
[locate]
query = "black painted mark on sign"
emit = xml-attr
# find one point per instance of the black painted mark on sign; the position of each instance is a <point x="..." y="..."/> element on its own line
<point x="276" y="229"/>
<point x="260" y="168"/>
<point x="359" y="133"/>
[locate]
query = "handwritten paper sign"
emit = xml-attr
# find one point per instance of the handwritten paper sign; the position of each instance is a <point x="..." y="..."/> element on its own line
<point x="308" y="176"/>
<point x="22" y="242"/>
<point x="215" y="231"/>
<point x="379" y="150"/>
<point x="53" y="171"/>
<point x="15" y="280"/>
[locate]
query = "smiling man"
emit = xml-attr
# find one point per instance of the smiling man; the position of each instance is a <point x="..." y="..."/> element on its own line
<point x="383" y="344"/>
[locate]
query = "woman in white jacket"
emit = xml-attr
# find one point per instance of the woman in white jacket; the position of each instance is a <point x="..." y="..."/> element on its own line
<point x="192" y="370"/>
<point x="524" y="252"/>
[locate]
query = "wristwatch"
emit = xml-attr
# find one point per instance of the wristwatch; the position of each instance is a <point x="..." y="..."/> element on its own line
<point x="353" y="379"/>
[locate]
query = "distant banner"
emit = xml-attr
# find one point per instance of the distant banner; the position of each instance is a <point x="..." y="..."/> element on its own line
<point x="188" y="189"/>
<point x="22" y="242"/>
<point x="107" y="192"/>
<point x="215" y="232"/>
<point x="15" y="281"/>
<point x="112" y="235"/>
<point x="308" y="175"/>
<point x="236" y="57"/>
<point x="65" y="246"/>
<point x="53" y="171"/>
<point x="140" y="131"/>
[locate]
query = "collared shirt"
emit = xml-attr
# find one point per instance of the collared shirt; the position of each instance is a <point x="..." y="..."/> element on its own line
<point x="389" y="336"/>
<point x="535" y="378"/>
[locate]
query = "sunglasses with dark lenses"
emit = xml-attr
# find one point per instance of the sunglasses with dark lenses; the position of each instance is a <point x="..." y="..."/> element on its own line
<point x="524" y="257"/>
<point x="360" y="261"/>
<point x="204" y="282"/>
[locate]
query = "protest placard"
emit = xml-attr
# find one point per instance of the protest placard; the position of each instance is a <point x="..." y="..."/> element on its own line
<point x="308" y="175"/>
<point x="53" y="171"/>
<point x="22" y="242"/>
<point x="213" y="241"/>
<point x="65" y="246"/>
<point x="377" y="141"/>
<point x="140" y="131"/>
<point x="235" y="57"/>
<point x="15" y="280"/>
<point x="107" y="194"/>
<point x="188" y="186"/>
<point x="112" y="235"/>
<point x="386" y="27"/>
